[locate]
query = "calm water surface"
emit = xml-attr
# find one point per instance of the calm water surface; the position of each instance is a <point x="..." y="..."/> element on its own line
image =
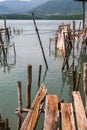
<point x="28" y="51"/>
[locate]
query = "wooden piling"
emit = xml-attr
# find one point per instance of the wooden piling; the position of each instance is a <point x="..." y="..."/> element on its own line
<point x="5" y="23"/>
<point x="85" y="85"/>
<point x="74" y="79"/>
<point x="19" y="96"/>
<point x="7" y="125"/>
<point x="14" y="49"/>
<point x="51" y="113"/>
<point x="28" y="88"/>
<point x="78" y="81"/>
<point x="73" y="44"/>
<point x="39" y="76"/>
<point x="40" y="41"/>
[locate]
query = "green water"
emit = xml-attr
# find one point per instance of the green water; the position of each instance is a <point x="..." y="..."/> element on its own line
<point x="28" y="51"/>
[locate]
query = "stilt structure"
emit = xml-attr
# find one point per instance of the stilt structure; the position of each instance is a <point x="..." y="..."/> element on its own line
<point x="84" y="11"/>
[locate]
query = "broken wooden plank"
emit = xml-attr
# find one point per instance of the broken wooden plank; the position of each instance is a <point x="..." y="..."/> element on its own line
<point x="79" y="111"/>
<point x="32" y="116"/>
<point x="51" y="113"/>
<point x="68" y="122"/>
<point x="85" y="85"/>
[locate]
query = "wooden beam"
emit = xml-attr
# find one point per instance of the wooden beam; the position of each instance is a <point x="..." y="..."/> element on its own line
<point x="79" y="111"/>
<point x="32" y="116"/>
<point x="85" y="85"/>
<point x="51" y="113"/>
<point x="67" y="116"/>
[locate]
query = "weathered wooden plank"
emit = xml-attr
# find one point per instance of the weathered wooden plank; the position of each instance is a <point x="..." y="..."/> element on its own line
<point x="85" y="85"/>
<point x="79" y="111"/>
<point x="67" y="116"/>
<point x="32" y="116"/>
<point x="51" y="113"/>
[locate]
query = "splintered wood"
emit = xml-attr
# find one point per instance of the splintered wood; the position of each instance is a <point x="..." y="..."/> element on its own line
<point x="51" y="113"/>
<point x="32" y="116"/>
<point x="80" y="112"/>
<point x="67" y="116"/>
<point x="85" y="85"/>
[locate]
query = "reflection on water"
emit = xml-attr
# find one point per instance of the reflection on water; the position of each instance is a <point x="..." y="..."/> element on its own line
<point x="28" y="52"/>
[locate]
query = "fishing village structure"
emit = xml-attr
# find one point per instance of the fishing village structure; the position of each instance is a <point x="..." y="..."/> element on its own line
<point x="58" y="115"/>
<point x="5" y="34"/>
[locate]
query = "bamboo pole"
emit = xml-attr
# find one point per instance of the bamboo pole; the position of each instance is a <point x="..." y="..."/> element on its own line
<point x="39" y="40"/>
<point x="28" y="88"/>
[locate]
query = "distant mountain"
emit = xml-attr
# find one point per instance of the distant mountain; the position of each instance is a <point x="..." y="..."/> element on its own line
<point x="17" y="6"/>
<point x="5" y="10"/>
<point x="58" y="7"/>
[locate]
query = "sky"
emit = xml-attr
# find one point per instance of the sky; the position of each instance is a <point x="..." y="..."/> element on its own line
<point x="14" y="0"/>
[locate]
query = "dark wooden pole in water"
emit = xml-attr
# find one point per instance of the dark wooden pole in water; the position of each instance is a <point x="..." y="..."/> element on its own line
<point x="78" y="81"/>
<point x="28" y="88"/>
<point x="83" y="4"/>
<point x="5" y="23"/>
<point x="19" y="103"/>
<point x="74" y="79"/>
<point x="39" y="40"/>
<point x="19" y="96"/>
<point x="39" y="77"/>
<point x="73" y="44"/>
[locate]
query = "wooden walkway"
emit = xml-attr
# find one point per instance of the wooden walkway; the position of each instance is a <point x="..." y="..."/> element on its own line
<point x="66" y="116"/>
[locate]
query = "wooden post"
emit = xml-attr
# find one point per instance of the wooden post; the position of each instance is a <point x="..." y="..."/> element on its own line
<point x="5" y="23"/>
<point x="39" y="77"/>
<point x="19" y="103"/>
<point x="85" y="85"/>
<point x="78" y="81"/>
<point x="14" y="48"/>
<point x="19" y="96"/>
<point x="49" y="43"/>
<point x="74" y="79"/>
<point x="1" y="40"/>
<point x="7" y="125"/>
<point x="73" y="44"/>
<point x="28" y="88"/>
<point x="83" y="4"/>
<point x="40" y="41"/>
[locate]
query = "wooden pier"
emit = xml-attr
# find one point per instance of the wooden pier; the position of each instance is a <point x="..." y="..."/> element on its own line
<point x="58" y="115"/>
